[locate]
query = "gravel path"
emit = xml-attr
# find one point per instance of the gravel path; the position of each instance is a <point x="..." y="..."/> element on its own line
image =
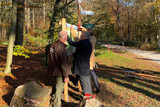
<point x="146" y="55"/>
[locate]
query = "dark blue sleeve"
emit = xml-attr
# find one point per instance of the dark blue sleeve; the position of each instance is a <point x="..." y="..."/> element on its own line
<point x="69" y="40"/>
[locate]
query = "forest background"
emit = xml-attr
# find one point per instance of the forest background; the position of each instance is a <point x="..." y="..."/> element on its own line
<point x="28" y="24"/>
<point x="36" y="23"/>
<point x="135" y="22"/>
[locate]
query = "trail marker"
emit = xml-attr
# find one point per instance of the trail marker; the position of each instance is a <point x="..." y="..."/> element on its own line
<point x="108" y="47"/>
<point x="123" y="46"/>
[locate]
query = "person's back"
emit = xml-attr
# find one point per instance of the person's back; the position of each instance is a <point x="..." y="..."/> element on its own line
<point x="81" y="62"/>
<point x="58" y="67"/>
<point x="82" y="57"/>
<point x="57" y="50"/>
<point x="92" y="58"/>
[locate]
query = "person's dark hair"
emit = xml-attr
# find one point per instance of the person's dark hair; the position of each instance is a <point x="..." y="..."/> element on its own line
<point x="90" y="31"/>
<point x="86" y="34"/>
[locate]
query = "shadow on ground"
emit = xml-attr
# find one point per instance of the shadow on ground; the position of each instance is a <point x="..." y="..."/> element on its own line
<point x="114" y="76"/>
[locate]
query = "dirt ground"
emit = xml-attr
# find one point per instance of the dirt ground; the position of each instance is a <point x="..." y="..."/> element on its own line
<point x="32" y="69"/>
<point x="25" y="70"/>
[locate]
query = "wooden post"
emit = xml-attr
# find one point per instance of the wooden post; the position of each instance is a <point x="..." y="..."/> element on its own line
<point x="79" y="86"/>
<point x="123" y="46"/>
<point x="79" y="16"/>
<point x="79" y="12"/>
<point x="12" y="36"/>
<point x="79" y="32"/>
<point x="63" y="24"/>
<point x="66" y="84"/>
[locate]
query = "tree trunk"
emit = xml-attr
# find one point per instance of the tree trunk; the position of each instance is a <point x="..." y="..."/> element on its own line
<point x="20" y="23"/>
<point x="158" y="25"/>
<point x="4" y="33"/>
<point x="129" y="21"/>
<point x="0" y="21"/>
<point x="128" y="25"/>
<point x="33" y="18"/>
<point x="27" y="17"/>
<point x="44" y="13"/>
<point x="12" y="36"/>
<point x="56" y="11"/>
<point x="136" y="27"/>
<point x="118" y="18"/>
<point x="54" y="19"/>
<point x="159" y="33"/>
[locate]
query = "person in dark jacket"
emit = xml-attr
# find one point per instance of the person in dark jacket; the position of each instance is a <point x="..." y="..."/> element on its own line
<point x="58" y="67"/>
<point x="81" y="62"/>
<point x="92" y="58"/>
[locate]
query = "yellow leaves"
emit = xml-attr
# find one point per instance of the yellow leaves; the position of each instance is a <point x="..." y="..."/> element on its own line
<point x="34" y="52"/>
<point x="3" y="25"/>
<point x="5" y="3"/>
<point x="20" y="6"/>
<point x="113" y="19"/>
<point x="155" y="4"/>
<point x="149" y="4"/>
<point x="21" y="51"/>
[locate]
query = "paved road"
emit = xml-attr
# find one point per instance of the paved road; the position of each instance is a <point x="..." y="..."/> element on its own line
<point x="146" y="55"/>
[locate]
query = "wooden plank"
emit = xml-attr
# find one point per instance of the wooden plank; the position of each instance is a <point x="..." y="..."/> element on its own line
<point x="79" y="86"/>
<point x="66" y="84"/>
<point x="137" y="74"/>
<point x="66" y="92"/>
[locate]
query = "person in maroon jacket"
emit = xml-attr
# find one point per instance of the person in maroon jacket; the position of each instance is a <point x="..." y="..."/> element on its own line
<point x="58" y="66"/>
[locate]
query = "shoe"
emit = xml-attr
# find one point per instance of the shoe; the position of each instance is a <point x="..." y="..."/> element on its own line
<point x="88" y="96"/>
<point x="97" y="91"/>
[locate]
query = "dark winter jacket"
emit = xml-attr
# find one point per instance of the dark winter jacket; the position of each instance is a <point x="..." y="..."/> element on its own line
<point x="81" y="62"/>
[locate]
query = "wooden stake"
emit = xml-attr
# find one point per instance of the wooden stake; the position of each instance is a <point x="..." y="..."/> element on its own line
<point x="63" y="24"/>
<point x="66" y="84"/>
<point x="79" y="12"/>
<point x="79" y="16"/>
<point x="79" y="86"/>
<point x="66" y="92"/>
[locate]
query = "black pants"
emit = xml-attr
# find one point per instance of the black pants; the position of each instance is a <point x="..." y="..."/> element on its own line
<point x="95" y="80"/>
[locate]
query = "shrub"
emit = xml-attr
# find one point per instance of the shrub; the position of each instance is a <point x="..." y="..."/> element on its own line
<point x="149" y="46"/>
<point x="21" y="51"/>
<point x="146" y="46"/>
<point x="132" y="43"/>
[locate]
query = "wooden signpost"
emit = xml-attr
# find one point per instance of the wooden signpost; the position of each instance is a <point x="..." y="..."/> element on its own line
<point x="63" y="22"/>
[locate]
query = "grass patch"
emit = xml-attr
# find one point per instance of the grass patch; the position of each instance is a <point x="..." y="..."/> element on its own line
<point x="122" y="91"/>
<point x="5" y="43"/>
<point x="109" y="56"/>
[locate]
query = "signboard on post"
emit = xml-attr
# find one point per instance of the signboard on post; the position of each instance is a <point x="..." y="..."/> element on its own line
<point x="87" y="26"/>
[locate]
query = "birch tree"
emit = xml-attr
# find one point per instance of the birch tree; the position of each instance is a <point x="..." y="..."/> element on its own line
<point x="12" y="36"/>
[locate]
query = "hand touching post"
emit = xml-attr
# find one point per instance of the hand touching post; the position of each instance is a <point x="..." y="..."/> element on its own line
<point x="66" y="79"/>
